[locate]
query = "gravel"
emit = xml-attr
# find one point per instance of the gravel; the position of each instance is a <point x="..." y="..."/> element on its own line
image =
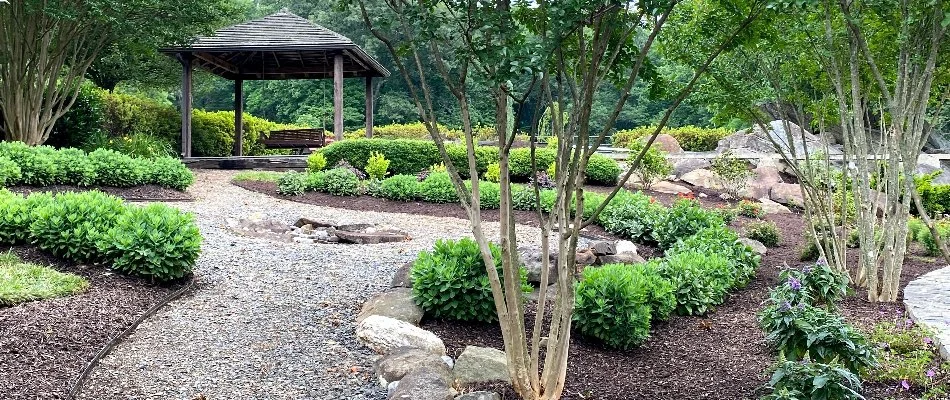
<point x="268" y="320"/>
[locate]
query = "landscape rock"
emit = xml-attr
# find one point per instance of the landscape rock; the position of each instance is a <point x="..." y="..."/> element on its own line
<point x="686" y="165"/>
<point x="396" y="303"/>
<point x="620" y="258"/>
<point x="778" y="131"/>
<point x="787" y="194"/>
<point x="760" y="185"/>
<point x="374" y="237"/>
<point x="927" y="163"/>
<point x="480" y="365"/>
<point x="756" y="246"/>
<point x="604" y="248"/>
<point x="927" y="302"/>
<point x="703" y="178"/>
<point x="585" y="257"/>
<point x="482" y="395"/>
<point x="625" y="246"/>
<point x="531" y="259"/>
<point x="402" y="361"/>
<point x="422" y="384"/>
<point x="402" y="277"/>
<point x="771" y="207"/>
<point x="743" y="142"/>
<point x="667" y="143"/>
<point x="448" y="361"/>
<point x="384" y="334"/>
<point x="314" y="223"/>
<point x="669" y="188"/>
<point x="536" y="293"/>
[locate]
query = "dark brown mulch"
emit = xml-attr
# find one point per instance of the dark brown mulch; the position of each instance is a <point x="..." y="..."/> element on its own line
<point x="721" y="356"/>
<point x="44" y="345"/>
<point x="138" y="193"/>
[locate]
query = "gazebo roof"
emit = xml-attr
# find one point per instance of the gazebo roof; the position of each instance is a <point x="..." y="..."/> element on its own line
<point x="279" y="46"/>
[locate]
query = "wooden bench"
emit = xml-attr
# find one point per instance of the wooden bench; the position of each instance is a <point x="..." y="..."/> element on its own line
<point x="296" y="139"/>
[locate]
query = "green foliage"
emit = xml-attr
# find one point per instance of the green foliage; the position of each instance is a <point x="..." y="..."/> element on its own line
<point x="690" y="138"/>
<point x="653" y="166"/>
<point x="406" y="156"/>
<point x="819" y="285"/>
<point x="660" y="292"/>
<point x="213" y="133"/>
<point x="316" y="181"/>
<point x="794" y="380"/>
<point x="601" y="170"/>
<point x="765" y="232"/>
<point x="523" y="198"/>
<point x="935" y="197"/>
<point x="291" y="183"/>
<point x="156" y="242"/>
<point x="400" y="188"/>
<point x="721" y="241"/>
<point x="451" y="282"/>
<point x="519" y="163"/>
<point x="9" y="172"/>
<point x="750" y="209"/>
<point x="376" y="166"/>
<point x="906" y="352"/>
<point x="611" y="305"/>
<point x="78" y="168"/>
<point x="493" y="173"/>
<point x="914" y="227"/>
<point x="135" y="145"/>
<point x="70" y="225"/>
<point x="731" y="172"/>
<point x="22" y="282"/>
<point x="683" y="220"/>
<point x="117" y="169"/>
<point x="701" y="280"/>
<point x="84" y="120"/>
<point x="16" y="215"/>
<point x="259" y="176"/>
<point x="489" y="195"/>
<point x="438" y="188"/>
<point x="928" y="240"/>
<point x="170" y="172"/>
<point x="341" y="182"/>
<point x="413" y="130"/>
<point x="37" y="167"/>
<point x="317" y="162"/>
<point x="484" y="157"/>
<point x="631" y="215"/>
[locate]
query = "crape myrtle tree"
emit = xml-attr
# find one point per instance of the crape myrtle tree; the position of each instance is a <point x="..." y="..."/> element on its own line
<point x="47" y="47"/>
<point x="556" y="51"/>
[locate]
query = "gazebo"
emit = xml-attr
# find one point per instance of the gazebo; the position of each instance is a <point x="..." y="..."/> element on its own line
<point x="277" y="47"/>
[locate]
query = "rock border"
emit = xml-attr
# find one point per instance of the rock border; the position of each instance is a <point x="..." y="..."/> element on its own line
<point x="927" y="302"/>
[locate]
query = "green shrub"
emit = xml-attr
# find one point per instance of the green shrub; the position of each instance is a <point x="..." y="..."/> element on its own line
<point x="70" y="225"/>
<point x="818" y="285"/>
<point x="135" y="145"/>
<point x="9" y="172"/>
<point x="684" y="219"/>
<point x="171" y="173"/>
<point x="523" y="198"/>
<point x="213" y="133"/>
<point x="400" y="188"/>
<point x="602" y="170"/>
<point x="661" y="295"/>
<point x="519" y="162"/>
<point x="611" y="305"/>
<point x="85" y="119"/>
<point x="291" y="183"/>
<point x="451" y="282"/>
<point x="547" y="200"/>
<point x="414" y="130"/>
<point x="21" y="282"/>
<point x="377" y="166"/>
<point x="16" y="215"/>
<point x="765" y="232"/>
<point x="78" y="168"/>
<point x="37" y="166"/>
<point x="935" y="197"/>
<point x="690" y="138"/>
<point x="733" y="174"/>
<point x="493" y="173"/>
<point x="117" y="169"/>
<point x="592" y="200"/>
<point x="406" y="156"/>
<point x="750" y="209"/>
<point x="719" y="240"/>
<point x="552" y="170"/>
<point x="927" y="239"/>
<point x="484" y="157"/>
<point x="653" y="166"/>
<point x="905" y="352"/>
<point x="341" y="182"/>
<point x="438" y="188"/>
<point x="317" y="162"/>
<point x="315" y="182"/>
<point x="128" y="114"/>
<point x="156" y="241"/>
<point x="794" y="380"/>
<point x="489" y="195"/>
<point x="914" y="227"/>
<point x="701" y="280"/>
<point x="631" y="215"/>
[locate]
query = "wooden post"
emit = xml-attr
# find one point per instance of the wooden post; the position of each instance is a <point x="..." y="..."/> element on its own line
<point x="338" y="96"/>
<point x="185" y="59"/>
<point x="238" y="117"/>
<point x="369" y="107"/>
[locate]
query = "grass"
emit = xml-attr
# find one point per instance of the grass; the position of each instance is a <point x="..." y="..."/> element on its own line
<point x="262" y="176"/>
<point x="21" y="282"/>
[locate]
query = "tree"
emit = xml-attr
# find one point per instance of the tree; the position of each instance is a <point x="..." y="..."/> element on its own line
<point x="540" y="53"/>
<point x="47" y="47"/>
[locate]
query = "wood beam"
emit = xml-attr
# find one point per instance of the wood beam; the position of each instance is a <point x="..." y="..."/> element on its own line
<point x="369" y="107"/>
<point x="239" y="117"/>
<point x="186" y="76"/>
<point x="338" y="96"/>
<point x="218" y="62"/>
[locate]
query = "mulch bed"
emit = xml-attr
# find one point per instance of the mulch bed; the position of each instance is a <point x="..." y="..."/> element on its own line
<point x="138" y="193"/>
<point x="44" y="345"/>
<point x="723" y="355"/>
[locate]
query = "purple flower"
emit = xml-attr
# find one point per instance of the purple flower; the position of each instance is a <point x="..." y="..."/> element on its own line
<point x="905" y="384"/>
<point x="806" y="270"/>
<point x="793" y="283"/>
<point x="786" y="306"/>
<point x="908" y="322"/>
<point x="821" y="262"/>
<point x="928" y="341"/>
<point x="931" y="373"/>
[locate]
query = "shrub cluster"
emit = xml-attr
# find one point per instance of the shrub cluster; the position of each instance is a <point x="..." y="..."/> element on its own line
<point x="929" y="242"/>
<point x="750" y="209"/>
<point x="906" y="353"/>
<point x="156" y="241"/>
<point x="765" y="232"/>
<point x="45" y="166"/>
<point x="684" y="219"/>
<point x="690" y="138"/>
<point x="653" y="166"/>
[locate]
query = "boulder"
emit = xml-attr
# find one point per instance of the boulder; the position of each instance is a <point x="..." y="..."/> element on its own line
<point x="585" y="257"/>
<point x="422" y="384"/>
<point x="743" y="142"/>
<point x="396" y="303"/>
<point x="669" y="188"/>
<point x="703" y="178"/>
<point x="535" y="295"/>
<point x="620" y="258"/>
<point x="383" y="334"/>
<point x="787" y="194"/>
<point x="686" y="165"/>
<point x="482" y="395"/>
<point x="778" y="131"/>
<point x="314" y="223"/>
<point x="626" y="246"/>
<point x="604" y="248"/>
<point x="760" y="185"/>
<point x="371" y="237"/>
<point x="531" y="259"/>
<point x="402" y="277"/>
<point x="667" y="143"/>
<point x="927" y="164"/>
<point x="771" y="207"/>
<point x="481" y="364"/>
<point x="404" y="360"/>
<point x="756" y="246"/>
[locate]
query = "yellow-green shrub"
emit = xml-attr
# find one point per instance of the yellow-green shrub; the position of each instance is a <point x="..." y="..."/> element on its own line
<point x="415" y="130"/>
<point x="690" y="138"/>
<point x="213" y="133"/>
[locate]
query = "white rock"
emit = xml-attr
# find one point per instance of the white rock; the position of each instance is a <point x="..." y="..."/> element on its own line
<point x="771" y="207"/>
<point x="626" y="246"/>
<point x="383" y="334"/>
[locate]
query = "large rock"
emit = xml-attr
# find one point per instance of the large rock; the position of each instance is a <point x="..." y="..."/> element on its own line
<point x="669" y="188"/>
<point x="402" y="277"/>
<point x="396" y="303"/>
<point x="760" y="185"/>
<point x="620" y="258"/>
<point x="422" y="384"/>
<point x="604" y="248"/>
<point x="531" y="259"/>
<point x="626" y="246"/>
<point x="479" y="396"/>
<point x="788" y="194"/>
<point x="585" y="257"/>
<point x="383" y="236"/>
<point x="756" y="246"/>
<point x="743" y="142"/>
<point x="703" y="178"/>
<point x="771" y="207"/>
<point x="667" y="143"/>
<point x="928" y="163"/>
<point x="686" y="165"/>
<point x="384" y="334"/>
<point x="481" y="364"/>
<point x="801" y="139"/>
<point x="404" y="360"/>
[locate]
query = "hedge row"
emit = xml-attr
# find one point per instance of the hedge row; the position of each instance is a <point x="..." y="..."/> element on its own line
<point x="409" y="157"/>
<point x="690" y="138"/>
<point x="156" y="241"/>
<point x="418" y="131"/>
<point x="45" y="166"/>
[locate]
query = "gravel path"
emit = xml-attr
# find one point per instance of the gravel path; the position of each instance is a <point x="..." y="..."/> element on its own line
<point x="269" y="320"/>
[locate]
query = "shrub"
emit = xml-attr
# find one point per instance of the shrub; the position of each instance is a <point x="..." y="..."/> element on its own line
<point x="400" y="188"/>
<point x="78" y="168"/>
<point x="765" y="232"/>
<point x="552" y="170"/>
<point x="684" y="219"/>
<point x="489" y="195"/>
<point x="935" y="197"/>
<point x="438" y="188"/>
<point x="317" y="162"/>
<point x="117" y="169"/>
<point x="519" y="162"/>
<point x="21" y="282"/>
<point x="258" y="176"/>
<point x="905" y="352"/>
<point x="291" y="183"/>
<point x="493" y="173"/>
<point x="85" y="119"/>
<point x="484" y="157"/>
<point x="719" y="240"/>
<point x="414" y="130"/>
<point x="611" y="305"/>
<point x="601" y="170"/>
<point x="406" y="156"/>
<point x="213" y="133"/>
<point x="701" y="281"/>
<point x="690" y="138"/>
<point x="451" y="282"/>
<point x="16" y="215"/>
<point x="631" y="215"/>
<point x="171" y="173"/>
<point x="523" y="198"/>
<point x="818" y="285"/>
<point x="70" y="225"/>
<point x="315" y="182"/>
<point x="731" y="172"/>
<point x="794" y="380"/>
<point x="653" y="166"/>
<point x="927" y="239"/>
<point x="9" y="172"/>
<point x="750" y="209"/>
<point x="376" y="166"/>
<point x="914" y="227"/>
<point x="37" y="166"/>
<point x="341" y="182"/>
<point x="661" y="295"/>
<point x="155" y="241"/>
<point x="135" y="145"/>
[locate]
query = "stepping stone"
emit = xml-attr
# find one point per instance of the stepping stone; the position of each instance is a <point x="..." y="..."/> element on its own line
<point x="927" y="301"/>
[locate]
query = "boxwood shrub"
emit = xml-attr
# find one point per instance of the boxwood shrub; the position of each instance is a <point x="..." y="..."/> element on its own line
<point x="438" y="188"/>
<point x="169" y="172"/>
<point x="10" y="173"/>
<point x="70" y="225"/>
<point x="155" y="241"/>
<point x="400" y="188"/>
<point x="16" y="215"/>
<point x="37" y="168"/>
<point x="78" y="168"/>
<point x="341" y="182"/>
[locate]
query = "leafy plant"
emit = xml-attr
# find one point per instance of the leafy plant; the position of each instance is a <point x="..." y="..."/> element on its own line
<point x="117" y="169"/>
<point x="156" y="241"/>
<point x="10" y="173"/>
<point x="493" y="173"/>
<point x="701" y="280"/>
<point x="400" y="188"/>
<point x="750" y="209"/>
<point x="77" y="168"/>
<point x="489" y="195"/>
<point x="794" y="380"/>
<point x="632" y="215"/>
<point x="653" y="166"/>
<point x="291" y="183"/>
<point x="906" y="353"/>
<point x="37" y="166"/>
<point x="377" y="166"/>
<point x="684" y="219"/>
<point x="315" y="182"/>
<point x="16" y="215"/>
<point x="765" y="232"/>
<point x="317" y="162"/>
<point x="719" y="240"/>
<point x="914" y="227"/>
<point x="341" y="182"/>
<point x="690" y="138"/>
<point x="601" y="170"/>
<point x="523" y="198"/>
<point x="543" y="181"/>
<point x="70" y="225"/>
<point x="733" y="174"/>
<point x="171" y="173"/>
<point x="611" y="305"/>
<point x="927" y="239"/>
<point x="259" y="176"/>
<point x="438" y="188"/>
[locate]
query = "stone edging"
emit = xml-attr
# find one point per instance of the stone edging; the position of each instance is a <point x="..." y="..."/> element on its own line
<point x="927" y="301"/>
